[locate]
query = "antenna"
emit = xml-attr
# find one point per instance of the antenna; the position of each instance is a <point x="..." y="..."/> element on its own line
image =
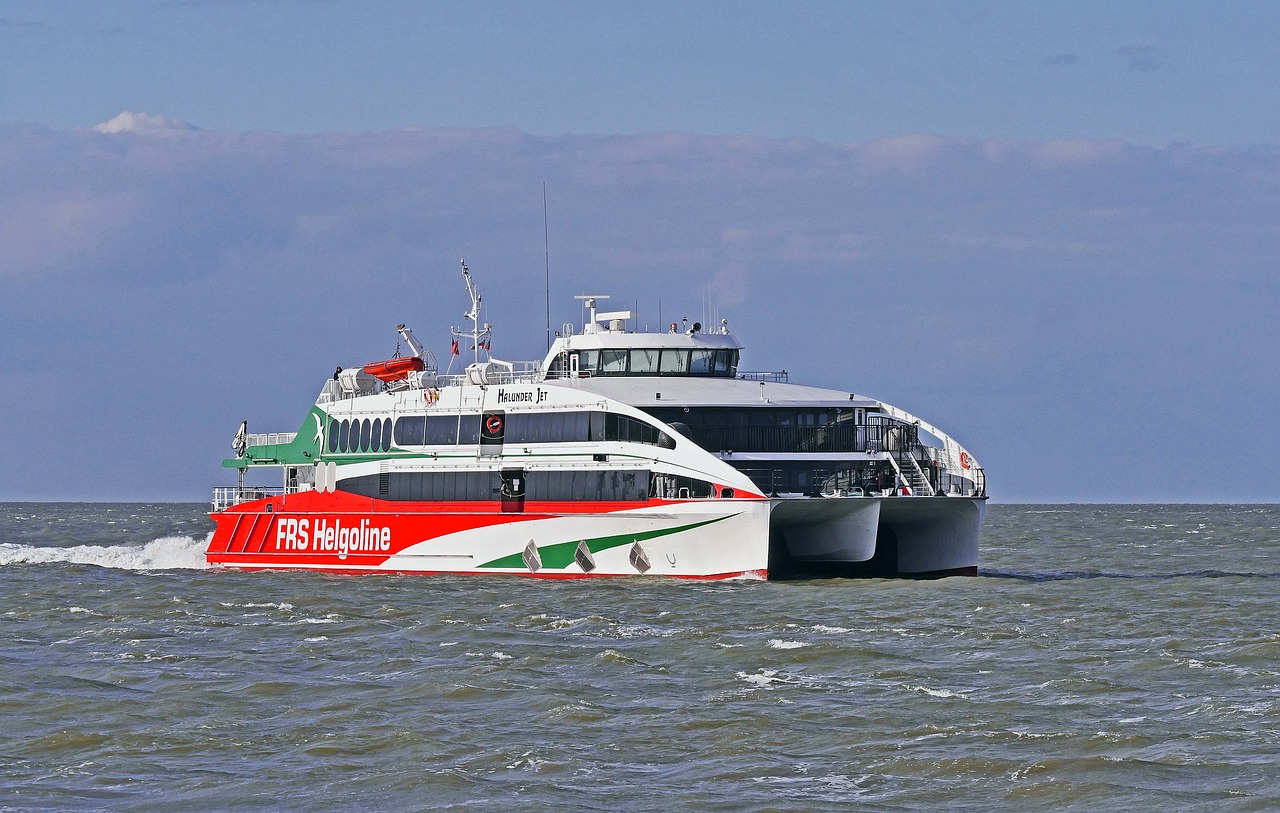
<point x="546" y="252"/>
<point x="480" y="336"/>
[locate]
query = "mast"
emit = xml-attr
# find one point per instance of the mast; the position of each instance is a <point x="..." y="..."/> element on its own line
<point x="479" y="336"/>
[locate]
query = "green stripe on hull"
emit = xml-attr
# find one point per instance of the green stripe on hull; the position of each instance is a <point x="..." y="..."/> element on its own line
<point x="560" y="555"/>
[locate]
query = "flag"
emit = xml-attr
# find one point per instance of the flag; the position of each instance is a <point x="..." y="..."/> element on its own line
<point x="454" y="352"/>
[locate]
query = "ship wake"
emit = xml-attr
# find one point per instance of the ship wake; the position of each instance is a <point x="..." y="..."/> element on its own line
<point x="166" y="553"/>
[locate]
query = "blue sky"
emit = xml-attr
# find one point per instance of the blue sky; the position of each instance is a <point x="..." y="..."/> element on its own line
<point x="1050" y="229"/>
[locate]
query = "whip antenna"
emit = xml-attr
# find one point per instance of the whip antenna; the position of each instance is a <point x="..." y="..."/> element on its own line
<point x="546" y="255"/>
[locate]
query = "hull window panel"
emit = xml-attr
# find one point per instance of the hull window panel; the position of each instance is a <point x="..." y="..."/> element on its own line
<point x="410" y="430"/>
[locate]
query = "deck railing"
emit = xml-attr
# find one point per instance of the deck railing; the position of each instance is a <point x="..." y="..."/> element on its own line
<point x="225" y="497"/>
<point x="270" y="439"/>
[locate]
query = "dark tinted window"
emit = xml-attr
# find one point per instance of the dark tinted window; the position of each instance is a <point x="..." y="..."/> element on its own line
<point x="548" y="427"/>
<point x="375" y="438"/>
<point x="469" y="429"/>
<point x="624" y="428"/>
<point x="366" y="428"/>
<point x="344" y="435"/>
<point x="594" y="485"/>
<point x="333" y="436"/>
<point x="409" y="430"/>
<point x="442" y="430"/>
<point x="386" y="434"/>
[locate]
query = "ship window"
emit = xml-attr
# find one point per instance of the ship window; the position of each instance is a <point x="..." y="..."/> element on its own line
<point x="613" y="362"/>
<point x="644" y="361"/>
<point x="674" y="362"/>
<point x="556" y="368"/>
<point x="442" y="430"/>
<point x="547" y="427"/>
<point x="375" y="438"/>
<point x="726" y="362"/>
<point x="409" y="430"/>
<point x="386" y="434"/>
<point x="700" y="362"/>
<point x="672" y="486"/>
<point x="333" y="436"/>
<point x="344" y="435"/>
<point x="469" y="429"/>
<point x="365" y="430"/>
<point x="588" y="361"/>
<point x="624" y="428"/>
<point x="484" y="486"/>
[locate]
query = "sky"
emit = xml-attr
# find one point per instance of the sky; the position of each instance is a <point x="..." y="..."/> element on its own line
<point x="1050" y="229"/>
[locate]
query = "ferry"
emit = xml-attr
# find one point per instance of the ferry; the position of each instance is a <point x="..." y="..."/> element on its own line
<point x="619" y="453"/>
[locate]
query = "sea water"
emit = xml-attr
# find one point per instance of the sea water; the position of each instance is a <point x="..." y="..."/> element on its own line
<point x="1106" y="658"/>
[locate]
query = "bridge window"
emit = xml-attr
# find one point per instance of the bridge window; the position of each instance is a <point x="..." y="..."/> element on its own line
<point x="644" y="361"/>
<point x="726" y="362"/>
<point x="701" y="362"/>
<point x="613" y="362"/>
<point x="675" y="362"/>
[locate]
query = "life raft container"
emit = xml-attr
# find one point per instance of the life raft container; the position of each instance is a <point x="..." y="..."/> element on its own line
<point x="394" y="369"/>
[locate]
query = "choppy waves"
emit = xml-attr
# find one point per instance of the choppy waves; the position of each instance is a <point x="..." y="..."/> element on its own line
<point x="1101" y="664"/>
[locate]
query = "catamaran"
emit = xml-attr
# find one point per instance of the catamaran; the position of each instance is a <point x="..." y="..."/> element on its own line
<point x="619" y="453"/>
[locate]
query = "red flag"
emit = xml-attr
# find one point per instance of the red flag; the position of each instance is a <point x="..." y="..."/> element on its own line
<point x="455" y="348"/>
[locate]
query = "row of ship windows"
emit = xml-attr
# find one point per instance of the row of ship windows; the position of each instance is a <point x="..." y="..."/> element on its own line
<point x="567" y="485"/>
<point x="377" y="435"/>
<point x="647" y="361"/>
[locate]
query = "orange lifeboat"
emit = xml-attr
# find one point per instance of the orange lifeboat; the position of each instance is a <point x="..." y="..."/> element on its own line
<point x="394" y="369"/>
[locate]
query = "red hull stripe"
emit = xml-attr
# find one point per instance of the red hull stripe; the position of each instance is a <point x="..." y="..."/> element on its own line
<point x="560" y="576"/>
<point x="344" y="532"/>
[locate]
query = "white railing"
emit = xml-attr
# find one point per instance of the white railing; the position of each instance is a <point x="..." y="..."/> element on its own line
<point x="270" y="439"/>
<point x="226" y="496"/>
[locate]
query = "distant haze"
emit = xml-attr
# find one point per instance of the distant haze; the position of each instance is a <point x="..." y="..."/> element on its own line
<point x="1094" y="320"/>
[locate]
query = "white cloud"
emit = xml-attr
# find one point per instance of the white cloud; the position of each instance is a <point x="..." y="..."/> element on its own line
<point x="920" y="266"/>
<point x="127" y="122"/>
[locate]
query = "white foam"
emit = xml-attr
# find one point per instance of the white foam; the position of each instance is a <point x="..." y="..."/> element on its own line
<point x="778" y="643"/>
<point x="168" y="553"/>
<point x="936" y="692"/>
<point x="763" y="679"/>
